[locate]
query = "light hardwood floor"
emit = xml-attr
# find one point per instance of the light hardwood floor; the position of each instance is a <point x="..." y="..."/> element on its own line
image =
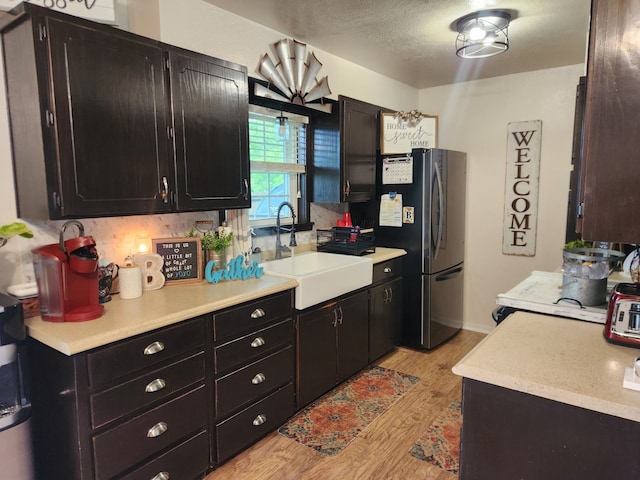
<point x="381" y="451"/>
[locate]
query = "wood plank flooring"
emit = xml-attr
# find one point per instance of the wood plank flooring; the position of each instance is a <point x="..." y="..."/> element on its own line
<point x="381" y="451"/>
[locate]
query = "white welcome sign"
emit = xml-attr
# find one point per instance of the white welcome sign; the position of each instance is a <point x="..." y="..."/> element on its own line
<point x="98" y="10"/>
<point x="521" y="188"/>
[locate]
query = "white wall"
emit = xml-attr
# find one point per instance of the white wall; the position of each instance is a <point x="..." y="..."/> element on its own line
<point x="473" y="118"/>
<point x="199" y="26"/>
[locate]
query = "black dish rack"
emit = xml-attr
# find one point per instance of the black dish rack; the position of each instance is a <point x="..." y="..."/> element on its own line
<point x="347" y="240"/>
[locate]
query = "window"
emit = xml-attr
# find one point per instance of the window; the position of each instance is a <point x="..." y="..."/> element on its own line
<point x="278" y="153"/>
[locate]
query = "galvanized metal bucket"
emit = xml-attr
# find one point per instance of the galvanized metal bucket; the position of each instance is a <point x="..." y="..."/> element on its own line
<point x="585" y="273"/>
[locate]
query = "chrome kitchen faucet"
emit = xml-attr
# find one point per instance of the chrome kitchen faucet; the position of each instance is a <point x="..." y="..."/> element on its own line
<point x="292" y="240"/>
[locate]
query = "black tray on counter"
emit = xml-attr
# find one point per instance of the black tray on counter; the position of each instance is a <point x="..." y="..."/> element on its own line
<point x="346" y="240"/>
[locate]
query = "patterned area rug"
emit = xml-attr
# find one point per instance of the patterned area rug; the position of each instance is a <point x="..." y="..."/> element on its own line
<point x="333" y="421"/>
<point x="440" y="445"/>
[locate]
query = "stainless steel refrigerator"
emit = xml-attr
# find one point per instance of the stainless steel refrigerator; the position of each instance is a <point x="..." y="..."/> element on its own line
<point x="422" y="209"/>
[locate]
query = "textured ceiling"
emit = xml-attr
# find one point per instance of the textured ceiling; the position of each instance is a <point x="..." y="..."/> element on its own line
<point x="413" y="41"/>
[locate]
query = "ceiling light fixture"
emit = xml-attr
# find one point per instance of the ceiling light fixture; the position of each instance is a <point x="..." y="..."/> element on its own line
<point x="483" y="34"/>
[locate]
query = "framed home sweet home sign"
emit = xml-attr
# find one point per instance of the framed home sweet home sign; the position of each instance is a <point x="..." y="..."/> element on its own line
<point x="102" y="11"/>
<point x="398" y="135"/>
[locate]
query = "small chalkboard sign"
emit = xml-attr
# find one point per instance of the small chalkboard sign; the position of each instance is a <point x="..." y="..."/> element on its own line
<point x="182" y="258"/>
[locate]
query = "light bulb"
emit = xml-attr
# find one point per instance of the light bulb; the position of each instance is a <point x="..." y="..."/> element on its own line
<point x="282" y="128"/>
<point x="143" y="243"/>
<point x="476" y="34"/>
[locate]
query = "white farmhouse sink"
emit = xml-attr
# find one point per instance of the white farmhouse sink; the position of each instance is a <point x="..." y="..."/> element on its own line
<point x="322" y="276"/>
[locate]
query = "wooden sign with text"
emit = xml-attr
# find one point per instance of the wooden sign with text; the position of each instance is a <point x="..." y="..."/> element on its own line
<point x="182" y="258"/>
<point x="400" y="136"/>
<point x="98" y="10"/>
<point x="521" y="188"/>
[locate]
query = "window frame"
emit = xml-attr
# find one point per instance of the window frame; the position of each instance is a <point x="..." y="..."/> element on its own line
<point x="295" y="152"/>
<point x="303" y="221"/>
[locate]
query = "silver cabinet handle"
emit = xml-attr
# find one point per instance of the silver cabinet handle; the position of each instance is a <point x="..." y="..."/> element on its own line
<point x="154" y="348"/>
<point x="161" y="476"/>
<point x="157" y="430"/>
<point x="257" y="342"/>
<point x="259" y="378"/>
<point x="258" y="313"/>
<point x="165" y="190"/>
<point x="390" y="294"/>
<point x="259" y="420"/>
<point x="155" y="385"/>
<point x="246" y="189"/>
<point x="387" y="270"/>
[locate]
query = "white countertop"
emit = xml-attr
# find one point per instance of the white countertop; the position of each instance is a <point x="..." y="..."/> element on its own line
<point x="159" y="308"/>
<point x="565" y="360"/>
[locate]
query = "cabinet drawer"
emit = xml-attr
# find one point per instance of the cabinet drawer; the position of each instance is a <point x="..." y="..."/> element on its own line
<point x="253" y="345"/>
<point x="150" y="349"/>
<point x="253" y="381"/>
<point x="188" y="460"/>
<point x="385" y="270"/>
<point x="250" y="315"/>
<point x="139" y="392"/>
<point x="252" y="423"/>
<point x="136" y="440"/>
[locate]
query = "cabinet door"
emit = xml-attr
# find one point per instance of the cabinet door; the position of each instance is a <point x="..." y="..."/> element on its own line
<point x="378" y="330"/>
<point x="394" y="312"/>
<point x="317" y="353"/>
<point x="210" y="114"/>
<point x="353" y="335"/>
<point x="359" y="124"/>
<point x="612" y="116"/>
<point x="108" y="112"/>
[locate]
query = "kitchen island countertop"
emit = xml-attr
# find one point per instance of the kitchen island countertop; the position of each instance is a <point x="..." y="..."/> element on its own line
<point x="564" y="360"/>
<point x="159" y="308"/>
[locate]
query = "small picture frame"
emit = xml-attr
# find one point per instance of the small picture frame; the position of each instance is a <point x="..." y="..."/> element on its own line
<point x="401" y="136"/>
<point x="182" y="258"/>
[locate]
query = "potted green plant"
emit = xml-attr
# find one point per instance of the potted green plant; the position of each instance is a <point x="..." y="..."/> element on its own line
<point x="214" y="246"/>
<point x="12" y="229"/>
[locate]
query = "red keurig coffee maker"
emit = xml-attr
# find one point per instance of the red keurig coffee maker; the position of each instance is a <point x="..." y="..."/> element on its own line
<point x="67" y="278"/>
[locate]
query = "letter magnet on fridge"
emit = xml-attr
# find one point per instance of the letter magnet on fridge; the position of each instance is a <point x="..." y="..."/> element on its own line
<point x="407" y="215"/>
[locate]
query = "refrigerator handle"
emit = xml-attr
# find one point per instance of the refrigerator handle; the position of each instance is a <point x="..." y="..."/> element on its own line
<point x="440" y="209"/>
<point x="449" y="275"/>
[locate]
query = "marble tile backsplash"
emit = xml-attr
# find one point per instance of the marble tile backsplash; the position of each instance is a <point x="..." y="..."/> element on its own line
<point x="116" y="236"/>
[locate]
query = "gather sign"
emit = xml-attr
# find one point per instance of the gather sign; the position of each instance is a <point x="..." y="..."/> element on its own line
<point x="521" y="188"/>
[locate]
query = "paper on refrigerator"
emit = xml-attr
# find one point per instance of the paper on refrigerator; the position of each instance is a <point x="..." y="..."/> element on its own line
<point x="390" y="210"/>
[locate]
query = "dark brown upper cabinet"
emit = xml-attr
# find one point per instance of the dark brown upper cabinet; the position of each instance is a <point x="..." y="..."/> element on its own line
<point x="345" y="171"/>
<point x="611" y="170"/>
<point x="211" y="117"/>
<point x="108" y="123"/>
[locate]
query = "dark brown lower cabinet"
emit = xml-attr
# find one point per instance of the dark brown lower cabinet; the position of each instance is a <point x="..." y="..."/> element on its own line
<point x="246" y="426"/>
<point x="385" y="308"/>
<point x="509" y="435"/>
<point x="253" y="372"/>
<point x="332" y="345"/>
<point x="132" y="409"/>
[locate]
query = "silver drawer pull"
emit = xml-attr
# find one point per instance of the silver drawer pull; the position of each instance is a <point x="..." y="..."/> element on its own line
<point x="154" y="348"/>
<point x="161" y="476"/>
<point x="259" y="378"/>
<point x="257" y="313"/>
<point x="157" y="430"/>
<point x="387" y="270"/>
<point x="155" y="385"/>
<point x="259" y="420"/>
<point x="258" y="342"/>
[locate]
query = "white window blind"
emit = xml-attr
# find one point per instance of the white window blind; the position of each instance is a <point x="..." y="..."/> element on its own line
<point x="277" y="163"/>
